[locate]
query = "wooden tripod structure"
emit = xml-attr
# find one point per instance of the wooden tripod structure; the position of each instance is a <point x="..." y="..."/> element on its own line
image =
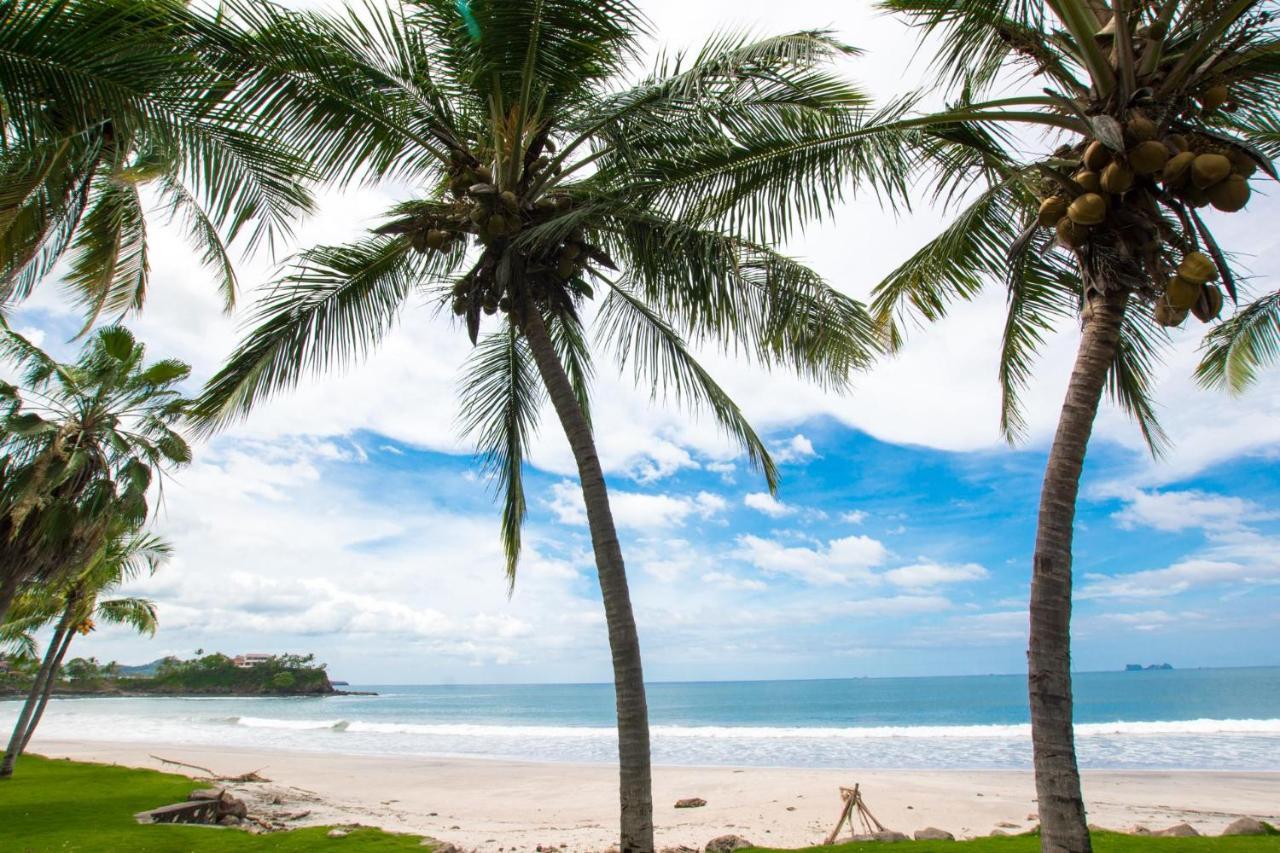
<point x="853" y="804"/>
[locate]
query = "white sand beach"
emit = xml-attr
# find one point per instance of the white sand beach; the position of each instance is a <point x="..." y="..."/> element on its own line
<point x="496" y="805"/>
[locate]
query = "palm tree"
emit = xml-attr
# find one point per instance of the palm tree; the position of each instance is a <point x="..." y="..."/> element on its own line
<point x="81" y="443"/>
<point x="1151" y="109"/>
<point x="102" y="97"/>
<point x="545" y="182"/>
<point x="78" y="607"/>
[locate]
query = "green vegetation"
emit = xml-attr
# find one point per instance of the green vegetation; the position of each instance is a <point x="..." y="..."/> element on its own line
<point x="217" y="673"/>
<point x="69" y="805"/>
<point x="1103" y="842"/>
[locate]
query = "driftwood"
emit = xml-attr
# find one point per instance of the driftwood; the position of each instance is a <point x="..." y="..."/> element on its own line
<point x="853" y="804"/>
<point x="251" y="776"/>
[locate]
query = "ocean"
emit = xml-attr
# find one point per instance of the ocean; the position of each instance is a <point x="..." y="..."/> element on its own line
<point x="1221" y="719"/>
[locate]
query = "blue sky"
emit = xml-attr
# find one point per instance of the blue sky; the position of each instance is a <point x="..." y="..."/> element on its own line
<point x="347" y="518"/>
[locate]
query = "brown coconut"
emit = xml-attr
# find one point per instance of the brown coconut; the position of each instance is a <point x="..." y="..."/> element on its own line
<point x="1148" y="157"/>
<point x="1088" y="209"/>
<point x="1230" y="195"/>
<point x="1197" y="267"/>
<point x="1088" y="180"/>
<point x="1181" y="293"/>
<point x="1070" y="234"/>
<point x="1116" y="179"/>
<point x="1214" y="97"/>
<point x="1096" y="156"/>
<point x="1209" y="305"/>
<point x="1177" y="171"/>
<point x="1167" y="315"/>
<point x="1052" y="209"/>
<point x="1209" y="169"/>
<point x="1242" y="164"/>
<point x="1141" y="128"/>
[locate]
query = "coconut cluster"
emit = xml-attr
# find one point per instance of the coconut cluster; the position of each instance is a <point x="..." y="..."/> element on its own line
<point x="1114" y="189"/>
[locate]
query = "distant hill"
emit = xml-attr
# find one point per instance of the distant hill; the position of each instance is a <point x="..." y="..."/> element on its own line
<point x="142" y="670"/>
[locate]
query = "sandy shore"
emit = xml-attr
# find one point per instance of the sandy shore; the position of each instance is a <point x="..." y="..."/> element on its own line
<point x="491" y="805"/>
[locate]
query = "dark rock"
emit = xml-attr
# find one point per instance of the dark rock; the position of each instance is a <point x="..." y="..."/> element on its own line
<point x="889" y="835"/>
<point x="727" y="844"/>
<point x="932" y="833"/>
<point x="1182" y="830"/>
<point x="691" y="803"/>
<point x="1245" y="826"/>
<point x="231" y="806"/>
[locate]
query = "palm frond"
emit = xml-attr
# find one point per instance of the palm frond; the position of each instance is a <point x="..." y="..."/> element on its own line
<point x="1241" y="346"/>
<point x="1130" y="380"/>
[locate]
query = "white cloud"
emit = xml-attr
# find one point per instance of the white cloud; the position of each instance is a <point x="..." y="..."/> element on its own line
<point x="854" y="516"/>
<point x="935" y="574"/>
<point x="768" y="504"/>
<point x="724" y="580"/>
<point x="796" y="449"/>
<point x="1176" y="579"/>
<point x="635" y="510"/>
<point x="1184" y="510"/>
<point x="842" y="560"/>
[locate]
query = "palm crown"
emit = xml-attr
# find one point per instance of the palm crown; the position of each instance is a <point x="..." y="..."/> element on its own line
<point x="82" y="445"/>
<point x="1162" y="109"/>
<point x="550" y="185"/>
<point x="103" y="98"/>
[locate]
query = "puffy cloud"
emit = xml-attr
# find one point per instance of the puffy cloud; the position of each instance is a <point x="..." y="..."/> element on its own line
<point x="768" y="504"/>
<point x="935" y="574"/>
<point x="841" y="561"/>
<point x="1184" y="510"/>
<point x="636" y="510"/>
<point x="796" y="449"/>
<point x="1176" y="579"/>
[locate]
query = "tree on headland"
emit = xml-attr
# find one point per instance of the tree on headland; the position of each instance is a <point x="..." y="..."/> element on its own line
<point x="1157" y="111"/>
<point x="77" y="607"/>
<point x="103" y="98"/>
<point x="548" y="190"/>
<point x="82" y="444"/>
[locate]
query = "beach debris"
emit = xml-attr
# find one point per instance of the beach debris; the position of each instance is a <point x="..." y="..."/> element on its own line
<point x="932" y="833"/>
<point x="1245" y="826"/>
<point x="205" y="770"/>
<point x="691" y="803"/>
<point x="337" y="833"/>
<point x="727" y="844"/>
<point x="1182" y="830"/>
<point x="251" y="776"/>
<point x="206" y="794"/>
<point x="853" y="805"/>
<point x="1004" y="824"/>
<point x="206" y="806"/>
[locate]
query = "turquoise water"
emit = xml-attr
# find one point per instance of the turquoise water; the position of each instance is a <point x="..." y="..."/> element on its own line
<point x="1192" y="719"/>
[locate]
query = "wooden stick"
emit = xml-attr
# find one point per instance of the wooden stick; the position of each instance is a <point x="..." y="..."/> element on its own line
<point x="184" y="764"/>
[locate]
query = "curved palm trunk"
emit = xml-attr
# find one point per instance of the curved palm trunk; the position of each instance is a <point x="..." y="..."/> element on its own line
<point x="635" y="789"/>
<point x="47" y="692"/>
<point x="43" y="676"/>
<point x="8" y="592"/>
<point x="1063" y="826"/>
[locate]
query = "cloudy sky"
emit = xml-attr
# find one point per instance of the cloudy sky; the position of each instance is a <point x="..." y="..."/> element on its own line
<point x="347" y="519"/>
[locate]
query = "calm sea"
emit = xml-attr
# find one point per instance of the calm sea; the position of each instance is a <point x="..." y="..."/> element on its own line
<point x="1190" y="719"/>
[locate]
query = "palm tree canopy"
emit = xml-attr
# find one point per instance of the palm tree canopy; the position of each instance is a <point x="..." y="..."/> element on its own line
<point x="550" y="185"/>
<point x="102" y="97"/>
<point x="1153" y="111"/>
<point x="81" y="446"/>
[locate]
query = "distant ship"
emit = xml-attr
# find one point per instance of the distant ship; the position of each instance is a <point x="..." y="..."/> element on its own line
<point x="1129" y="667"/>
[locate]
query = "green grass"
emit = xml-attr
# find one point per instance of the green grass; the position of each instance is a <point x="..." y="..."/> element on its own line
<point x="68" y="805"/>
<point x="1103" y="842"/>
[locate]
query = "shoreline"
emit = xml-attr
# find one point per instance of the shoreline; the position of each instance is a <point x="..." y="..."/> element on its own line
<point x="487" y="804"/>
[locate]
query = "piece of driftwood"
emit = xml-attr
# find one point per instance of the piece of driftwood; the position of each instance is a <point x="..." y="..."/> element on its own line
<point x="251" y="776"/>
<point x="197" y="811"/>
<point x="204" y="770"/>
<point x="853" y="805"/>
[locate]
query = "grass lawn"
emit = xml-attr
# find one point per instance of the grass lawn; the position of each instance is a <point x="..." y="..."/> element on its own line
<point x="69" y="805"/>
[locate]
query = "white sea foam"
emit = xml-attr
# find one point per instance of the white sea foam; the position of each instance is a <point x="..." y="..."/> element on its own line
<point x="1002" y="732"/>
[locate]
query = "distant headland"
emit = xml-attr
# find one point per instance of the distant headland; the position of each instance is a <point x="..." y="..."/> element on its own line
<point x="216" y="674"/>
<point x="1137" y="667"/>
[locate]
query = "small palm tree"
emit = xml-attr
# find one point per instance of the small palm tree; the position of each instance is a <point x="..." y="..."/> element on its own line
<point x="549" y="189"/>
<point x="82" y="444"/>
<point x="102" y="97"/>
<point x="77" y="608"/>
<point x="1154" y="109"/>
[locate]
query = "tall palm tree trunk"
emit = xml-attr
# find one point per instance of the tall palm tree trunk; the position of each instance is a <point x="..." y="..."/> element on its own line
<point x="1063" y="826"/>
<point x="635" y="792"/>
<point x="8" y="592"/>
<point x="45" y="674"/>
<point x="47" y="692"/>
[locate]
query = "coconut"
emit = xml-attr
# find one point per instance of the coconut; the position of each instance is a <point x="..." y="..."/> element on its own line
<point x="1116" y="179"/>
<point x="1209" y="305"/>
<point x="1209" y="169"/>
<point x="1052" y="209"/>
<point x="563" y="203"/>
<point x="571" y="251"/>
<point x="1214" y="97"/>
<point x="459" y="306"/>
<point x="1148" y="157"/>
<point x="1167" y="315"/>
<point x="436" y="238"/>
<point x="1088" y="209"/>
<point x="1242" y="164"/>
<point x="1178" y="170"/>
<point x="1181" y="293"/>
<point x="1178" y="142"/>
<point x="484" y="174"/>
<point x="1195" y="196"/>
<point x="1096" y="156"/>
<point x="461" y="288"/>
<point x="497" y="225"/>
<point x="1141" y="128"/>
<point x="1088" y="180"/>
<point x="566" y="268"/>
<point x="1070" y="234"/>
<point x="1230" y="195"/>
<point x="509" y="199"/>
<point x="1197" y="267"/>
